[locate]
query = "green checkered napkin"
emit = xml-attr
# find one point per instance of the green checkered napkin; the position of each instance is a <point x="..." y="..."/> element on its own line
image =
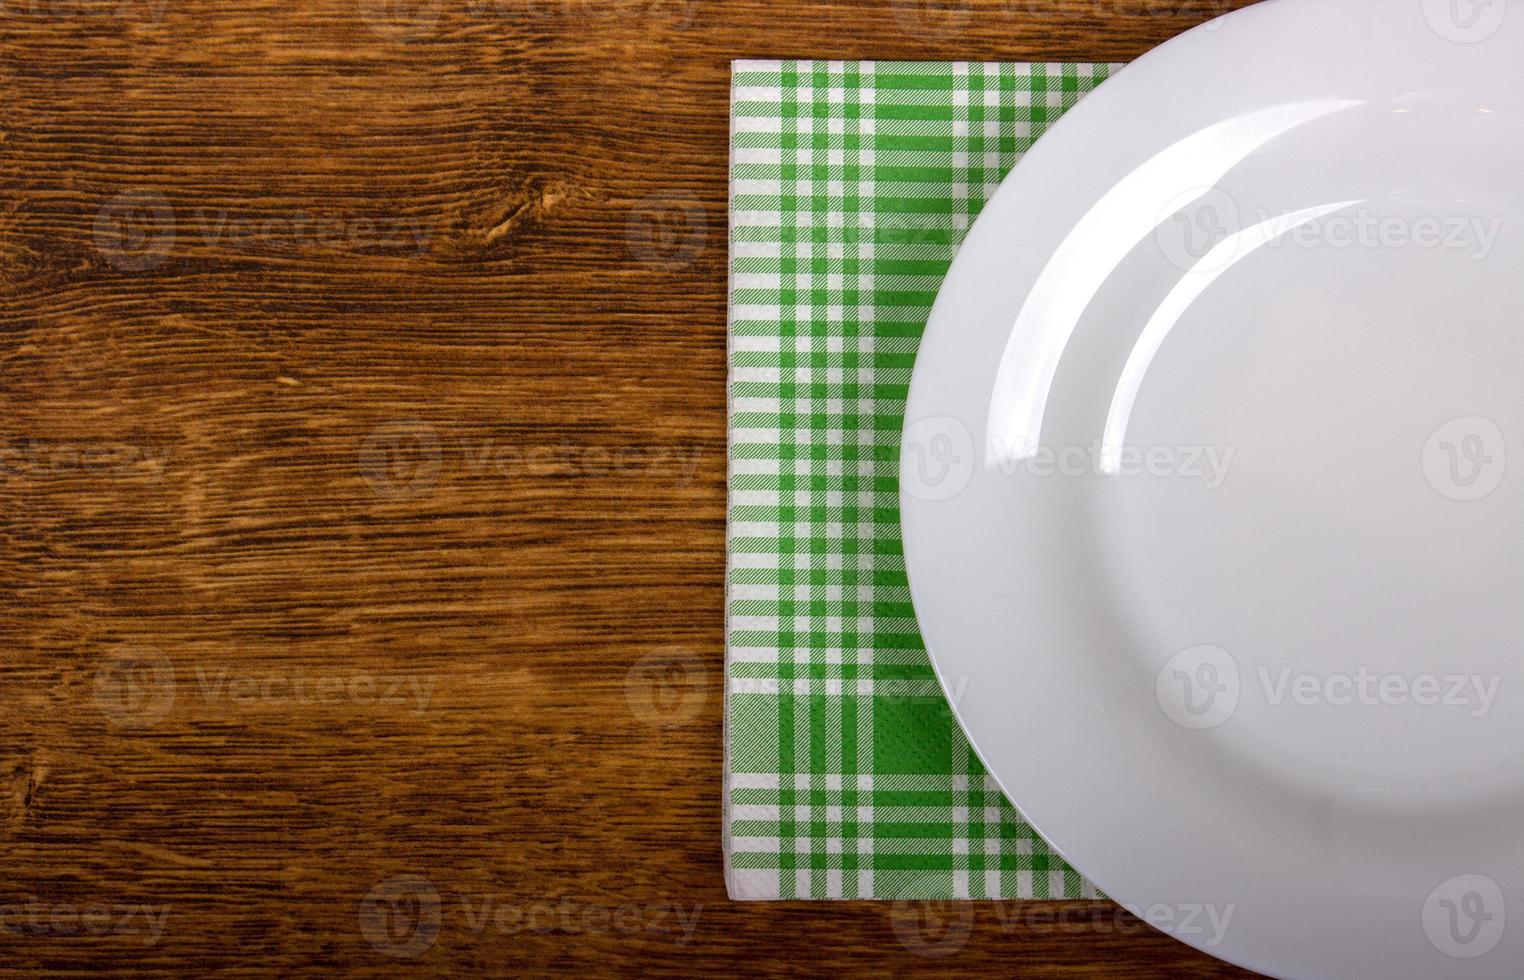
<point x="852" y="185"/>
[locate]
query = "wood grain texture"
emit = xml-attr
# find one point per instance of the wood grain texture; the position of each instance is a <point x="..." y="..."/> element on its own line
<point x="362" y="459"/>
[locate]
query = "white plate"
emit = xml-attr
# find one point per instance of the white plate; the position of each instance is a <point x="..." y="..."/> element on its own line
<point x="1213" y="487"/>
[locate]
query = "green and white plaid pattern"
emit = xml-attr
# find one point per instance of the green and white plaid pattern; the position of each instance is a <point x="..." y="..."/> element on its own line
<point x="852" y="185"/>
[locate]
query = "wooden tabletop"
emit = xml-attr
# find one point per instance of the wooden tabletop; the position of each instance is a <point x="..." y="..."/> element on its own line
<point x="362" y="463"/>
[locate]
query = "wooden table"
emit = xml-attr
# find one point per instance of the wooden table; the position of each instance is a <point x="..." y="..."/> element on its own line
<point x="362" y="460"/>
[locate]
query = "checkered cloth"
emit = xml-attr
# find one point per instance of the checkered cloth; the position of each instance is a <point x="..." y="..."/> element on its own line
<point x="852" y="185"/>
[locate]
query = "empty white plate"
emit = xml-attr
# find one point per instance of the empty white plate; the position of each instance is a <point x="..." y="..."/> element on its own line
<point x="1213" y="487"/>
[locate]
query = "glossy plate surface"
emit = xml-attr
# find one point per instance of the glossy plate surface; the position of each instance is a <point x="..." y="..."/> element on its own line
<point x="1213" y="487"/>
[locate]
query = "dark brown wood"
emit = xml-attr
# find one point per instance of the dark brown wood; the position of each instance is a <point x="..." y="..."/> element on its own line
<point x="362" y="469"/>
